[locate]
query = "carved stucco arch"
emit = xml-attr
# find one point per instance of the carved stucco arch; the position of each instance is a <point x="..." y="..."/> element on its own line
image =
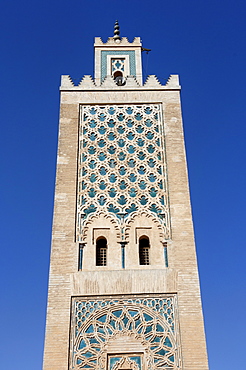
<point x="94" y="219"/>
<point x="151" y="220"/>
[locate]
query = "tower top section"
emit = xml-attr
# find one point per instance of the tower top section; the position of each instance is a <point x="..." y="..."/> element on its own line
<point x="118" y="58"/>
<point x="118" y="66"/>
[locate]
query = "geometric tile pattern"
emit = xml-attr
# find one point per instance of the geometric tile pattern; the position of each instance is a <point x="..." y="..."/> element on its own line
<point x="105" y="53"/>
<point x="152" y="321"/>
<point x="122" y="165"/>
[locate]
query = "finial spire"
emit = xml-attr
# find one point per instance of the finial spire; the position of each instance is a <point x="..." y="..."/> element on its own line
<point x="116" y="31"/>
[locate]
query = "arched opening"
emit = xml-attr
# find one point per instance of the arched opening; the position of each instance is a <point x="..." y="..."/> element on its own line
<point x="118" y="77"/>
<point x="101" y="251"/>
<point x="144" y="250"/>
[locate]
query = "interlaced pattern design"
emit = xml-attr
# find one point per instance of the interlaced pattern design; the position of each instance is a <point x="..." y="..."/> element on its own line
<point x="118" y="64"/>
<point x="152" y="321"/>
<point x="122" y="166"/>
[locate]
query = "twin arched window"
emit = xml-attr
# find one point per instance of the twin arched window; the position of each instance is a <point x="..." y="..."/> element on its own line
<point x="101" y="251"/>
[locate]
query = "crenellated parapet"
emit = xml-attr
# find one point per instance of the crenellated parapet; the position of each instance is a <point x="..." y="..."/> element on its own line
<point x="173" y="81"/>
<point x="152" y="81"/>
<point x="130" y="83"/>
<point x="118" y="66"/>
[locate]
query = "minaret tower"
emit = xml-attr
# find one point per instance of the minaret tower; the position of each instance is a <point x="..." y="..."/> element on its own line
<point x="123" y="286"/>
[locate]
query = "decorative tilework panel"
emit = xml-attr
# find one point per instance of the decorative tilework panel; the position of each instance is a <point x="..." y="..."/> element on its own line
<point x="152" y="321"/>
<point x="104" y="54"/>
<point x="122" y="166"/>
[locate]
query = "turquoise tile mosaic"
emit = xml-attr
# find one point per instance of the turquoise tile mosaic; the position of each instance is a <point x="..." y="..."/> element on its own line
<point x="105" y="53"/>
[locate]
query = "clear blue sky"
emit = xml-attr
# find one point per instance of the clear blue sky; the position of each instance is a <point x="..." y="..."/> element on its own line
<point x="202" y="41"/>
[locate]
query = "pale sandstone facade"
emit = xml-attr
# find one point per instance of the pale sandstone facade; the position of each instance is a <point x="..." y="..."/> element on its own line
<point x="77" y="285"/>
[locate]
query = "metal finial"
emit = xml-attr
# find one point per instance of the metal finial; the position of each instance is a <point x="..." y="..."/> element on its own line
<point x="116" y="31"/>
